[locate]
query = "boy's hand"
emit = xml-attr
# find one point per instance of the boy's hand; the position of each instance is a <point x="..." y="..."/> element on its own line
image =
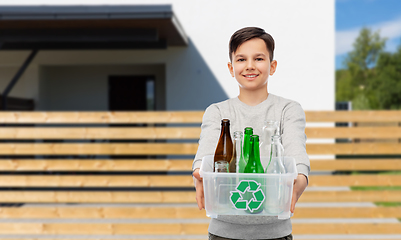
<point x="299" y="186"/>
<point x="200" y="198"/>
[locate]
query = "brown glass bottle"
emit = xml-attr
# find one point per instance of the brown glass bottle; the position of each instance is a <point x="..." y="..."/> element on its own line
<point x="224" y="149"/>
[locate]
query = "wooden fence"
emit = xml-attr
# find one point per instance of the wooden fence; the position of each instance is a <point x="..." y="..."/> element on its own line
<point x="108" y="174"/>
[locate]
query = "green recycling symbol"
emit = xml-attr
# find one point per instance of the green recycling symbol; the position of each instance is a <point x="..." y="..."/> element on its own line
<point x="247" y="187"/>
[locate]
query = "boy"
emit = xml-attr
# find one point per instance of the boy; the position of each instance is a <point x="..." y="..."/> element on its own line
<point x="251" y="63"/>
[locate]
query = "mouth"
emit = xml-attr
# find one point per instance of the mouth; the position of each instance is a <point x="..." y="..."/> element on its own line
<point x="250" y="76"/>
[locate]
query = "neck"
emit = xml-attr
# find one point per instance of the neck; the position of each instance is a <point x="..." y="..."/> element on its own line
<point x="253" y="98"/>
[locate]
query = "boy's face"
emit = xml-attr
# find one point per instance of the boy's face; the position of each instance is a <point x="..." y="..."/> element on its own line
<point x="251" y="65"/>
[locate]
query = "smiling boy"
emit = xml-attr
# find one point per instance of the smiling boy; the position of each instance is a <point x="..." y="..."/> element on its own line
<point x="251" y="63"/>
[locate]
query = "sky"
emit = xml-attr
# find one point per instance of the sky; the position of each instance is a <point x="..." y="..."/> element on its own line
<point x="352" y="15"/>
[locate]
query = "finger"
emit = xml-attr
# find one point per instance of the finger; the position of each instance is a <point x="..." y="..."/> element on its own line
<point x="199" y="200"/>
<point x="292" y="205"/>
<point x="293" y="201"/>
<point x="199" y="204"/>
<point x="203" y="202"/>
<point x="293" y="197"/>
<point x="202" y="198"/>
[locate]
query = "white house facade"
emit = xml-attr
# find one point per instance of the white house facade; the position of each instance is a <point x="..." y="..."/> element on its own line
<point x="180" y="61"/>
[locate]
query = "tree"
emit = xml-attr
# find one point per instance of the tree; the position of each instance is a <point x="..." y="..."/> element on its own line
<point x="387" y="82"/>
<point x="353" y="83"/>
<point x="367" y="48"/>
<point x="344" y="88"/>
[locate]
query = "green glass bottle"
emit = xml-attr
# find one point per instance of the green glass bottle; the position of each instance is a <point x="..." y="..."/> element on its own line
<point x="247" y="142"/>
<point x="254" y="165"/>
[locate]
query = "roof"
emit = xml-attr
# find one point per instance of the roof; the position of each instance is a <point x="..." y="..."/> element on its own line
<point x="90" y="27"/>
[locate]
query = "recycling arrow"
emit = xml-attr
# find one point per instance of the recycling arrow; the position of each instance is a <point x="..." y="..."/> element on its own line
<point x="235" y="196"/>
<point x="242" y="186"/>
<point x="254" y="205"/>
<point x="253" y="185"/>
<point x="259" y="196"/>
<point x="246" y="188"/>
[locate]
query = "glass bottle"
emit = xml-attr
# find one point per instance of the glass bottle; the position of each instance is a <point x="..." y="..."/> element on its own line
<point x="276" y="156"/>
<point x="274" y="204"/>
<point x="237" y="163"/>
<point x="224" y="149"/>
<point x="253" y="165"/>
<point x="270" y="128"/>
<point x="247" y="141"/>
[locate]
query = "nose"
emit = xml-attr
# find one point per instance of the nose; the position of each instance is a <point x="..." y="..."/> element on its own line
<point x="250" y="65"/>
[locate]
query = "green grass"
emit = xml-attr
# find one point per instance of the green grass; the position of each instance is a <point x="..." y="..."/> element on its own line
<point x="379" y="188"/>
<point x="388" y="204"/>
<point x="376" y="188"/>
<point x="376" y="172"/>
<point x="390" y="173"/>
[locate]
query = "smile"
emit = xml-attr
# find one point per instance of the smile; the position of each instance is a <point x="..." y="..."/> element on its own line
<point x="251" y="76"/>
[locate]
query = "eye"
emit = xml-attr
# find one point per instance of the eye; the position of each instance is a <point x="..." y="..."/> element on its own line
<point x="240" y="60"/>
<point x="259" y="59"/>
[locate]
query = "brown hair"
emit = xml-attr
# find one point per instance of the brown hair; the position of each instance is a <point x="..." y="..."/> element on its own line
<point x="248" y="33"/>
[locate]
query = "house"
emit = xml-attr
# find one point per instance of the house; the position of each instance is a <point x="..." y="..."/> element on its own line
<point x="158" y="55"/>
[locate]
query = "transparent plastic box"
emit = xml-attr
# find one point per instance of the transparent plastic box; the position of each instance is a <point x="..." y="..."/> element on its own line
<point x="248" y="193"/>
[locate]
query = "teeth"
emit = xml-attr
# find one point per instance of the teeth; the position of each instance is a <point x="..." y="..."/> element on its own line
<point x="250" y="75"/>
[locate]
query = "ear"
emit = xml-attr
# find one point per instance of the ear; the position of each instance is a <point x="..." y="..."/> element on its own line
<point x="273" y="66"/>
<point x="230" y="68"/>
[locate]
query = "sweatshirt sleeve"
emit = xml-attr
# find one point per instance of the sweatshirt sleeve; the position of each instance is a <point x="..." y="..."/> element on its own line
<point x="209" y="137"/>
<point x="293" y="136"/>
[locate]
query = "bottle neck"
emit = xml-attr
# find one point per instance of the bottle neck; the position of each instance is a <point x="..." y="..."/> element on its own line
<point x="247" y="144"/>
<point x="276" y="139"/>
<point x="255" y="149"/>
<point x="248" y="132"/>
<point x="225" y="128"/>
<point x="273" y="126"/>
<point x="238" y="145"/>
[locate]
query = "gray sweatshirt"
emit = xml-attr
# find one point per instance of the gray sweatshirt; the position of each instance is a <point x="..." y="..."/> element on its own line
<point x="292" y="130"/>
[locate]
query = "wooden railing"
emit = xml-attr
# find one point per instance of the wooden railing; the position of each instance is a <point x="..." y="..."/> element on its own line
<point x="141" y="163"/>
